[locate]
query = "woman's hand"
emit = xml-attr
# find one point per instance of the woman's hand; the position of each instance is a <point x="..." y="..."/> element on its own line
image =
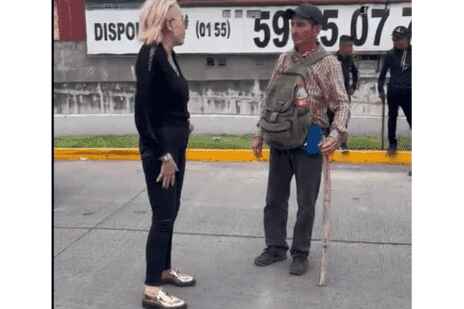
<point x="257" y="146"/>
<point x="168" y="173"/>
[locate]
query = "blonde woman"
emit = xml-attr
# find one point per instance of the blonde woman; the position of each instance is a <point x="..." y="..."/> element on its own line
<point x="162" y="120"/>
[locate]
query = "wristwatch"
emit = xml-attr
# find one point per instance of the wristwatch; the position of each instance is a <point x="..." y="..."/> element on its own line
<point x="166" y="157"/>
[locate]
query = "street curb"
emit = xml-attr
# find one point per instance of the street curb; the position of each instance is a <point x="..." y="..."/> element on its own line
<point x="229" y="155"/>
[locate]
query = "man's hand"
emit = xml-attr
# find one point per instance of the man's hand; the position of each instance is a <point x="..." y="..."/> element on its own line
<point x="329" y="145"/>
<point x="191" y="127"/>
<point x="352" y="90"/>
<point x="257" y="146"/>
<point x="382" y="96"/>
<point x="168" y="174"/>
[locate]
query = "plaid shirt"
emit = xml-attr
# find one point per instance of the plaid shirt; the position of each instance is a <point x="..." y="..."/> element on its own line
<point x="326" y="89"/>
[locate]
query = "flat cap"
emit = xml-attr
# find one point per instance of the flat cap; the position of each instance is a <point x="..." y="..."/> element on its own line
<point x="306" y="11"/>
<point x="400" y="32"/>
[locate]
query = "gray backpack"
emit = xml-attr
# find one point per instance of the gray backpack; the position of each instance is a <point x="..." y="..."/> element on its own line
<point x="283" y="124"/>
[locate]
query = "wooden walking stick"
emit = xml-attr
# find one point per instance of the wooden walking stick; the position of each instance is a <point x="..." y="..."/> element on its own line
<point x="325" y="219"/>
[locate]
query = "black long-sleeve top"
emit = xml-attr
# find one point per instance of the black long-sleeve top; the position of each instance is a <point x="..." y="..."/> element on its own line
<point x="399" y="62"/>
<point x="161" y="98"/>
<point x="348" y="67"/>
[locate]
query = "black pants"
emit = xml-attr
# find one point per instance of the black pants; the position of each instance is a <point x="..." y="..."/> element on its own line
<point x="397" y="98"/>
<point x="283" y="164"/>
<point x="165" y="203"/>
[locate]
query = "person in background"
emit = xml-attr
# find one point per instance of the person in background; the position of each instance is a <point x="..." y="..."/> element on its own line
<point x="350" y="74"/>
<point x="398" y="61"/>
<point x="162" y="121"/>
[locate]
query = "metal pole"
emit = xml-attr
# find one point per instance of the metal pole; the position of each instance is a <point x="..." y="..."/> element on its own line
<point x="383" y="122"/>
<point x="387" y="4"/>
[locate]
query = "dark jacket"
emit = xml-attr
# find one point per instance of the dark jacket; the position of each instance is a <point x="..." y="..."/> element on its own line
<point x="348" y="67"/>
<point x="160" y="100"/>
<point x="399" y="63"/>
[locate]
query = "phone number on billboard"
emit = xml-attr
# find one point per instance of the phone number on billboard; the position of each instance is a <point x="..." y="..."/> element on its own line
<point x="278" y="26"/>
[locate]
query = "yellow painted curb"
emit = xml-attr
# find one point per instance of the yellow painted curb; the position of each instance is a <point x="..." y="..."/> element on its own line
<point x="229" y="155"/>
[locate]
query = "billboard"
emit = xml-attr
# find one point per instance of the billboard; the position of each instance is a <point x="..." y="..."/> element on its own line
<point x="254" y="30"/>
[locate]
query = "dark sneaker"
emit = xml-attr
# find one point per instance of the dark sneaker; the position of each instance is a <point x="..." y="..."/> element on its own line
<point x="299" y="265"/>
<point x="162" y="300"/>
<point x="179" y="279"/>
<point x="270" y="256"/>
<point x="391" y="149"/>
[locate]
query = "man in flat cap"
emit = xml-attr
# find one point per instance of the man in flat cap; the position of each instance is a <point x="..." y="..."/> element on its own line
<point x="305" y="83"/>
<point x="399" y="62"/>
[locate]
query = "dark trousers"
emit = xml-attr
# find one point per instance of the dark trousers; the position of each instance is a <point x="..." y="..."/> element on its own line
<point x="398" y="98"/>
<point x="283" y="164"/>
<point x="164" y="203"/>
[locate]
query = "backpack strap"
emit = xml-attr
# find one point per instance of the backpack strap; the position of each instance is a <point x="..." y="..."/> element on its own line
<point x="307" y="62"/>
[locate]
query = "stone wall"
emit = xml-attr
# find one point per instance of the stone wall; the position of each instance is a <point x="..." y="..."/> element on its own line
<point x="234" y="86"/>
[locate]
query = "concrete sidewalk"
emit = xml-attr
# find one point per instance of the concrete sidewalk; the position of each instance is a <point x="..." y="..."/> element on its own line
<point x="101" y="219"/>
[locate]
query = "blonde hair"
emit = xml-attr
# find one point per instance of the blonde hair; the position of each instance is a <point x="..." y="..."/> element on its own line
<point x="152" y="18"/>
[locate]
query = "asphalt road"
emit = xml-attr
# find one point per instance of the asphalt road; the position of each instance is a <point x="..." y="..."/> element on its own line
<point x="101" y="219"/>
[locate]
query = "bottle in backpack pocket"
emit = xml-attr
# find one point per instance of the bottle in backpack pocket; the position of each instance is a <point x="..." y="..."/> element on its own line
<point x="301" y="95"/>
